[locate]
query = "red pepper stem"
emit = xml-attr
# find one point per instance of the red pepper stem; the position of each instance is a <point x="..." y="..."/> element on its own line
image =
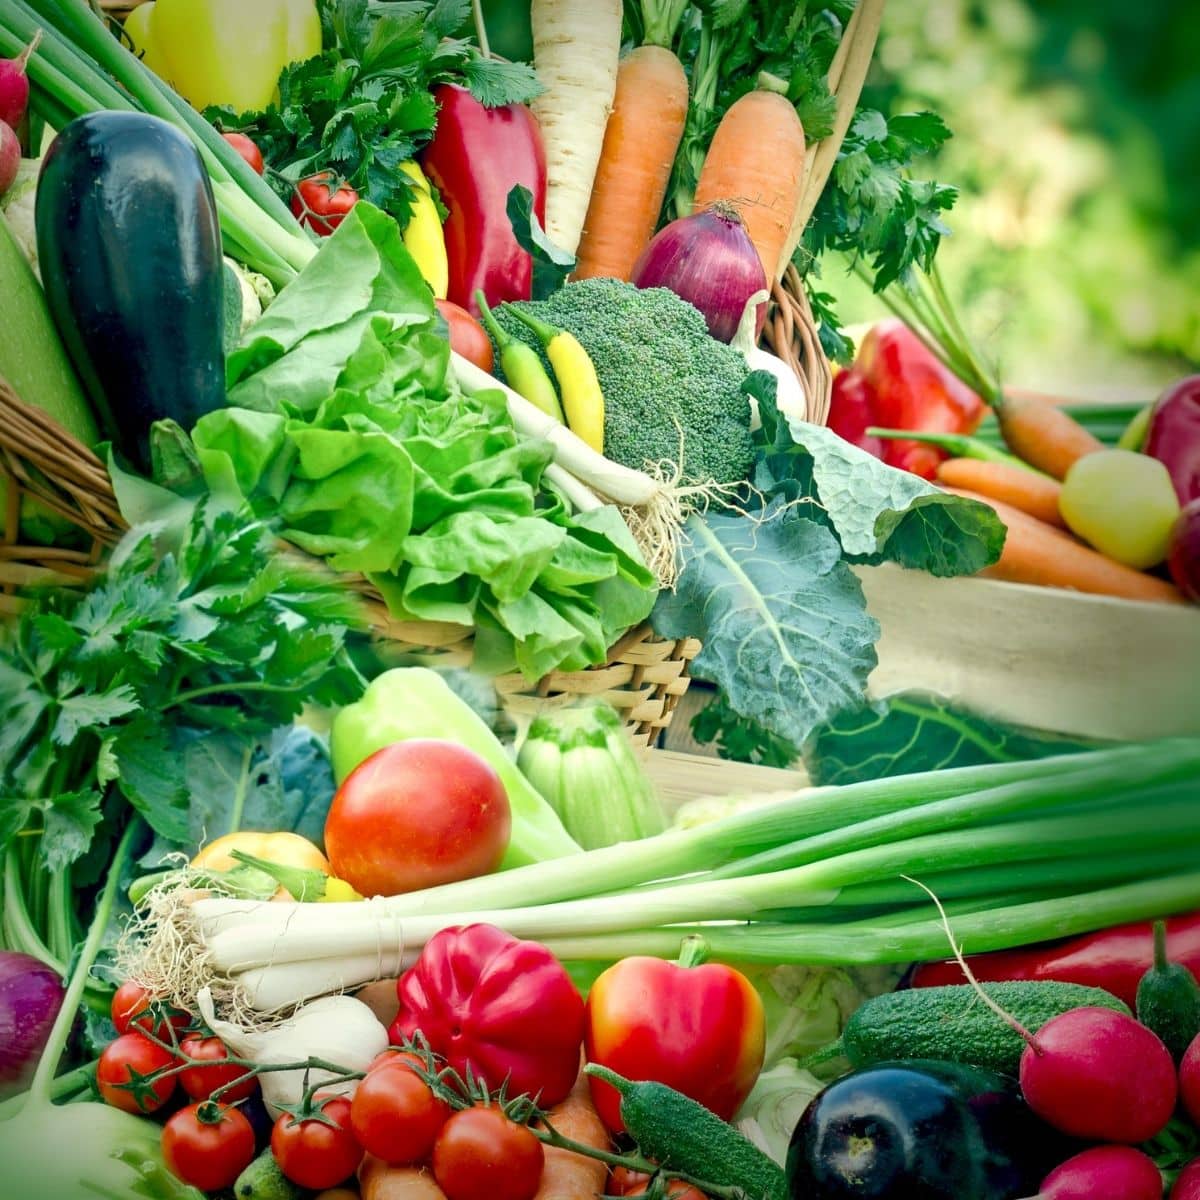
<point x="693" y="951"/>
<point x="545" y="333"/>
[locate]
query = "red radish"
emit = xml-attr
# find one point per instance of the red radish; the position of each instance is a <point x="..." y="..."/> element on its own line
<point x="1104" y="1173"/>
<point x="14" y="84"/>
<point x="10" y="157"/>
<point x="1187" y="1185"/>
<point x="1098" y="1074"/>
<point x="1189" y="1080"/>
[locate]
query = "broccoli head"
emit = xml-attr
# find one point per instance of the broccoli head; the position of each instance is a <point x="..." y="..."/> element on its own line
<point x="667" y="384"/>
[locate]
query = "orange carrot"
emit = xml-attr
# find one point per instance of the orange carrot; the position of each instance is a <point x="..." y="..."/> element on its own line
<point x="1043" y="435"/>
<point x="640" y="141"/>
<point x="1030" y="491"/>
<point x="1037" y="553"/>
<point x="568" y="1176"/>
<point x="756" y="163"/>
<point x="378" y="1181"/>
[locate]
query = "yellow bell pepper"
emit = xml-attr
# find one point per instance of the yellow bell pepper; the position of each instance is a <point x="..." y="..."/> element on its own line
<point x="306" y="884"/>
<point x="225" y="51"/>
<point x="423" y="236"/>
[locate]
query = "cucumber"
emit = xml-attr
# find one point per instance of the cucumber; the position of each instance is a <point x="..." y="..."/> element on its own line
<point x="263" y="1180"/>
<point x="953" y="1024"/>
<point x="1168" y="999"/>
<point x="676" y="1132"/>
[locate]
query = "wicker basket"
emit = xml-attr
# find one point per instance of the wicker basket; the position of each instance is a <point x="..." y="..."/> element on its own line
<point x="643" y="678"/>
<point x="791" y="334"/>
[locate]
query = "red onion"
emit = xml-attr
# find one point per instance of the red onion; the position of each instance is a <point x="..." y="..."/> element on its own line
<point x="31" y="994"/>
<point x="709" y="260"/>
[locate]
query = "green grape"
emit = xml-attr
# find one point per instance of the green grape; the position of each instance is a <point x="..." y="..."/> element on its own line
<point x="1123" y="503"/>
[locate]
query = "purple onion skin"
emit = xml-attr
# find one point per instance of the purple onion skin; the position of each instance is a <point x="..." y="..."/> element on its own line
<point x="708" y="260"/>
<point x="31" y="994"/>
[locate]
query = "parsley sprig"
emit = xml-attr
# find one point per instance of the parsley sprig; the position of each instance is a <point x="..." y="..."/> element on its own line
<point x="199" y="636"/>
<point x="364" y="105"/>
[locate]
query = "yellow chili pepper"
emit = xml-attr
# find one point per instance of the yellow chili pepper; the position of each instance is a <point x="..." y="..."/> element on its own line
<point x="521" y="365"/>
<point x="423" y="237"/>
<point x="225" y="51"/>
<point x="582" y="399"/>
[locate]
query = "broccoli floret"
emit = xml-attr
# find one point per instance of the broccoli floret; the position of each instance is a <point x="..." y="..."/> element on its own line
<point x="664" y="378"/>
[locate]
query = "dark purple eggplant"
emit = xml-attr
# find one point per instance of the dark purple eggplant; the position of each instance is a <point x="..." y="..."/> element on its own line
<point x="920" y="1130"/>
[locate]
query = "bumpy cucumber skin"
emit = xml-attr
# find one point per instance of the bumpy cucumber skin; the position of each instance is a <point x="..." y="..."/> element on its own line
<point x="674" y="1130"/>
<point x="1168" y="1004"/>
<point x="953" y="1024"/>
<point x="263" y="1180"/>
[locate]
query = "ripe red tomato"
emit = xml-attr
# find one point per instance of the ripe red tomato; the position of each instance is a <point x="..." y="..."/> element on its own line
<point x="317" y="1154"/>
<point x="321" y="204"/>
<point x="467" y="336"/>
<point x="416" y="814"/>
<point x="676" y="1190"/>
<point x="482" y="1155"/>
<point x="201" y="1082"/>
<point x="247" y="149"/>
<point x="208" y="1145"/>
<point x="395" y="1114"/>
<point x="126" y="1061"/>
<point x="133" y="1006"/>
<point x="622" y="1181"/>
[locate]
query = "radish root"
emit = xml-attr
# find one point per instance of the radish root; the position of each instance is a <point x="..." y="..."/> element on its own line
<point x="956" y="950"/>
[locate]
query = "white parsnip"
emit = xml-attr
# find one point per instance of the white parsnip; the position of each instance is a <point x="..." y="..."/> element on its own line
<point x="576" y="44"/>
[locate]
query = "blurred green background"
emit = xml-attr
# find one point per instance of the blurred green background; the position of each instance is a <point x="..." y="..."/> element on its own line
<point x="1076" y="247"/>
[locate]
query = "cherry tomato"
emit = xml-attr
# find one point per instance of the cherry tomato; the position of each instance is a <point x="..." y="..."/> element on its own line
<point x="676" y="1190"/>
<point x="319" y="207"/>
<point x="201" y="1082"/>
<point x="133" y="1006"/>
<point x="247" y="149"/>
<point x="395" y="1114"/>
<point x="394" y="1056"/>
<point x="481" y="1155"/>
<point x="127" y="1060"/>
<point x="208" y="1145"/>
<point x="415" y="814"/>
<point x="622" y="1180"/>
<point x="317" y="1153"/>
<point x="467" y="336"/>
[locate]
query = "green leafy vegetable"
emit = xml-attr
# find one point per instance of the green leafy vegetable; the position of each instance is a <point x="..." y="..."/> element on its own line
<point x="364" y="106"/>
<point x="198" y="642"/>
<point x="918" y="732"/>
<point x="356" y="436"/>
<point x="551" y="264"/>
<point x="782" y="620"/>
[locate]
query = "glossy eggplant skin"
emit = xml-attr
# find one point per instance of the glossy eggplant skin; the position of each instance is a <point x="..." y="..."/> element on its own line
<point x="919" y="1130"/>
<point x="130" y="250"/>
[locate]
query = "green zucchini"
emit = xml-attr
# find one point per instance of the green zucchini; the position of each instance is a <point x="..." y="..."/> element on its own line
<point x="1168" y="999"/>
<point x="676" y="1132"/>
<point x="130" y="251"/>
<point x="953" y="1024"/>
<point x="34" y="363"/>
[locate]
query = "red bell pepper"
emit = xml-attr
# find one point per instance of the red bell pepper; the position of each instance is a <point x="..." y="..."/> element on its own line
<point x="1174" y="436"/>
<point x="1114" y="959"/>
<point x="896" y="382"/>
<point x="699" y="1029"/>
<point x="506" y="1008"/>
<point x="477" y="156"/>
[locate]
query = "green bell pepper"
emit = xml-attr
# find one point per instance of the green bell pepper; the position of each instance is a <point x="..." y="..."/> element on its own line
<point x="413" y="702"/>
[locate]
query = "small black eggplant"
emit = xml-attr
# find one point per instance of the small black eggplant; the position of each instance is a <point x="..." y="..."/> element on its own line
<point x="130" y="250"/>
<point x="919" y="1130"/>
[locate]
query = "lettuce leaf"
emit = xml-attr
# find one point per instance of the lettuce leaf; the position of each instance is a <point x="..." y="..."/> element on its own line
<point x="348" y="427"/>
